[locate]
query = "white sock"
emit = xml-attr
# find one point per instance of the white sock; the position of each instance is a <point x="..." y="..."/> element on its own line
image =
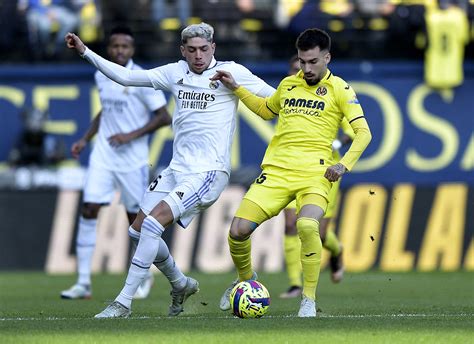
<point x="85" y="244"/>
<point x="144" y="256"/>
<point x="135" y="238"/>
<point x="165" y="263"/>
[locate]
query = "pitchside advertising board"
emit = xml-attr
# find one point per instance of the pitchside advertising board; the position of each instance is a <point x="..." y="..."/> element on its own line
<point x="408" y="205"/>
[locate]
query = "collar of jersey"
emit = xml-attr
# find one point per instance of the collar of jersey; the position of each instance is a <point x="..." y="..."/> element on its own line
<point x="211" y="65"/>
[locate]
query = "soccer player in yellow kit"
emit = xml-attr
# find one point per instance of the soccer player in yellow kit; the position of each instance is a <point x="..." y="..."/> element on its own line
<point x="298" y="163"/>
<point x="291" y="241"/>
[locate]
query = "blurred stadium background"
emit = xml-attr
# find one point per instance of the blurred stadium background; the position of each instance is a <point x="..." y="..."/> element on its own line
<point x="409" y="205"/>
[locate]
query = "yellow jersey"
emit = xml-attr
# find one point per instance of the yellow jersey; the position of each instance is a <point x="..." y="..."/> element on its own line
<point x="309" y="118"/>
<point x="448" y="33"/>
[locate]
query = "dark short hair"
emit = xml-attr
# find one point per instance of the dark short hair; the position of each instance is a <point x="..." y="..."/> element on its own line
<point x="312" y="38"/>
<point x="121" y="30"/>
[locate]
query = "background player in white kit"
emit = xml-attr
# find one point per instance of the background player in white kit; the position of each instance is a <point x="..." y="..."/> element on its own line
<point x="203" y="124"/>
<point x="119" y="159"/>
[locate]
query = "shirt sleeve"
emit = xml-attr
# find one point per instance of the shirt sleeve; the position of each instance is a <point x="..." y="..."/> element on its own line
<point x="347" y="129"/>
<point x="348" y="102"/>
<point x="118" y="73"/>
<point x="273" y="102"/>
<point x="255" y="103"/>
<point x="160" y="76"/>
<point x="350" y="107"/>
<point x="362" y="138"/>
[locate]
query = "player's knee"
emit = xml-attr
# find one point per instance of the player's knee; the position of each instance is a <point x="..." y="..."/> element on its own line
<point x="307" y="227"/>
<point x="163" y="213"/>
<point x="137" y="222"/>
<point x="90" y="210"/>
<point x="240" y="229"/>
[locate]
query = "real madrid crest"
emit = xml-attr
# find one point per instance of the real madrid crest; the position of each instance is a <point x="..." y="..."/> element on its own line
<point x="321" y="91"/>
<point x="213" y="85"/>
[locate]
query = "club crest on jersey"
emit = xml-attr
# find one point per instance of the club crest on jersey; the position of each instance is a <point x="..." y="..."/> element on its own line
<point x="213" y="85"/>
<point x="321" y="91"/>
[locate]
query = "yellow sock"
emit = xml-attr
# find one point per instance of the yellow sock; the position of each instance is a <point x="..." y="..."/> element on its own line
<point x="311" y="247"/>
<point x="240" y="252"/>
<point x="331" y="243"/>
<point x="292" y="246"/>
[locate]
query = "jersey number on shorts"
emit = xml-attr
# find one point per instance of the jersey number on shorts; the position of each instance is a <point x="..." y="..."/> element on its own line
<point x="154" y="184"/>
<point x="261" y="178"/>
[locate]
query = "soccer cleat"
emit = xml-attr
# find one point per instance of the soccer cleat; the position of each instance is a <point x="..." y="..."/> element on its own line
<point x="114" y="310"/>
<point x="178" y="297"/>
<point x="294" y="291"/>
<point x="224" y="304"/>
<point x="77" y="291"/>
<point x="337" y="268"/>
<point x="144" y="289"/>
<point x="307" y="308"/>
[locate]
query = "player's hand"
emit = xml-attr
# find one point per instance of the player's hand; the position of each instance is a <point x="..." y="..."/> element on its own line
<point x="226" y="78"/>
<point x="77" y="148"/>
<point x="119" y="139"/>
<point x="74" y="42"/>
<point x="334" y="172"/>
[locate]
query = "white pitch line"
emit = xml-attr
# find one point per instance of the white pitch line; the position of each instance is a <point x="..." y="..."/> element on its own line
<point x="336" y="316"/>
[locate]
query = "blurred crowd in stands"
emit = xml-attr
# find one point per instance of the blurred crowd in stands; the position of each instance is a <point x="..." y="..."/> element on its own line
<point x="263" y="30"/>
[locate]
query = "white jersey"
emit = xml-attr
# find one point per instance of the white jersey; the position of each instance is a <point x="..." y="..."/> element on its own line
<point x="205" y="113"/>
<point x="124" y="109"/>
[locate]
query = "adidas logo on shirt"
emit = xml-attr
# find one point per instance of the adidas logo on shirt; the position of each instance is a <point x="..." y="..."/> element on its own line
<point x="180" y="194"/>
<point x="180" y="82"/>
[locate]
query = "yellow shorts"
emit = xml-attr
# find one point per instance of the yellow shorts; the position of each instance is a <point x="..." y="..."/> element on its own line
<point x="332" y="200"/>
<point x="276" y="187"/>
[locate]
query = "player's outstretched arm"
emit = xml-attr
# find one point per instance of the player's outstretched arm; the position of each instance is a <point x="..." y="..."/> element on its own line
<point x="116" y="72"/>
<point x="362" y="138"/>
<point x="254" y="103"/>
<point x="226" y="78"/>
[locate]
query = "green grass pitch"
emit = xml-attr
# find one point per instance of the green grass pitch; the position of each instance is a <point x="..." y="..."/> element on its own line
<point x="372" y="307"/>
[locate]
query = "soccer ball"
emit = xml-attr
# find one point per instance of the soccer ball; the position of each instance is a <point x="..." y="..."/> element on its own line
<point x="249" y="299"/>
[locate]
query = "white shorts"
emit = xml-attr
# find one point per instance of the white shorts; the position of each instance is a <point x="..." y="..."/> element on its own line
<point x="101" y="184"/>
<point x="187" y="194"/>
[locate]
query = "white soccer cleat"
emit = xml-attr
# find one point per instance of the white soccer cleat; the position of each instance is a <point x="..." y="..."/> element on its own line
<point x="307" y="308"/>
<point x="114" y="310"/>
<point x="178" y="297"/>
<point x="144" y="289"/>
<point x="77" y="291"/>
<point x="224" y="304"/>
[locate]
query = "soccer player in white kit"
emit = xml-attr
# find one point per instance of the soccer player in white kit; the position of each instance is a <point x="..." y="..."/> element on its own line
<point x="203" y="124"/>
<point x="119" y="159"/>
